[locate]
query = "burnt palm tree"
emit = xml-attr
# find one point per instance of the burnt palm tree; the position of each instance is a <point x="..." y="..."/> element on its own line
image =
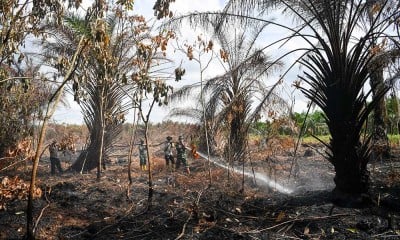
<point x="387" y="47"/>
<point x="387" y="52"/>
<point x="338" y="67"/>
<point x="338" y="57"/>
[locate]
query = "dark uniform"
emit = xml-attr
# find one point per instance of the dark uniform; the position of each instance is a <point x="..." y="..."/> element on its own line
<point x="54" y="160"/>
<point x="142" y="155"/>
<point x="181" y="155"/>
<point x="168" y="153"/>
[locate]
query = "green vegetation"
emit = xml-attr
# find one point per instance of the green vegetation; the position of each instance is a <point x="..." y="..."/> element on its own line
<point x="394" y="139"/>
<point x="313" y="140"/>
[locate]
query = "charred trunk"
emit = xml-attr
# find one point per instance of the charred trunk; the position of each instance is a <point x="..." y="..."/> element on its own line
<point x="237" y="142"/>
<point x="352" y="177"/>
<point x="89" y="158"/>
<point x="379" y="134"/>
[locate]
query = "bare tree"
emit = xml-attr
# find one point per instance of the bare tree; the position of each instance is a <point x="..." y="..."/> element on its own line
<point x="148" y="86"/>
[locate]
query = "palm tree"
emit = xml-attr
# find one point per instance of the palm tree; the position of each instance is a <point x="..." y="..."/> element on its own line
<point x="104" y="66"/>
<point x="231" y="97"/>
<point x="387" y="51"/>
<point x="338" y="66"/>
<point x="338" y="70"/>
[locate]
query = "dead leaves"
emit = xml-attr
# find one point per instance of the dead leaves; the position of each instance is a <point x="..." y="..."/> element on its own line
<point x="224" y="55"/>
<point x="190" y="52"/>
<point x="280" y="217"/>
<point x="15" y="188"/>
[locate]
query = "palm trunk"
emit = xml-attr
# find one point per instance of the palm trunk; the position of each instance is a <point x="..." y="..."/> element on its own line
<point x="237" y="136"/>
<point x="352" y="177"/>
<point x="379" y="135"/>
<point x="396" y="113"/>
<point x="101" y="136"/>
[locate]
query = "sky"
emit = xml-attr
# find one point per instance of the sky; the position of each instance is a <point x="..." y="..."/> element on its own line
<point x="72" y="115"/>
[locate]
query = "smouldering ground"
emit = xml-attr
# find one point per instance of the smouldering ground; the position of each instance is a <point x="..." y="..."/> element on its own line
<point x="77" y="206"/>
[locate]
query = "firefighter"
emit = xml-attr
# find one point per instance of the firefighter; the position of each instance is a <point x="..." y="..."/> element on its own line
<point x="169" y="157"/>
<point x="181" y="154"/>
<point x="142" y="155"/>
<point x="54" y="160"/>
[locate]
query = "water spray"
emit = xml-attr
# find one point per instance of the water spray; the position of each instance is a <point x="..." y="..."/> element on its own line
<point x="257" y="175"/>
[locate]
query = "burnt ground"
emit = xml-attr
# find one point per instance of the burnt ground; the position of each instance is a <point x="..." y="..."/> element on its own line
<point x="77" y="206"/>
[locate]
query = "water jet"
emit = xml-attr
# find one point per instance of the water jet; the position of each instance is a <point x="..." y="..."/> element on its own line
<point x="261" y="177"/>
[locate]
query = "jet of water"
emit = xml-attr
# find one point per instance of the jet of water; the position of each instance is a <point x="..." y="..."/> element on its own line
<point x="257" y="175"/>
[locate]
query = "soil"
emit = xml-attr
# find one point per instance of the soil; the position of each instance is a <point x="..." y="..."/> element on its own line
<point x="195" y="206"/>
